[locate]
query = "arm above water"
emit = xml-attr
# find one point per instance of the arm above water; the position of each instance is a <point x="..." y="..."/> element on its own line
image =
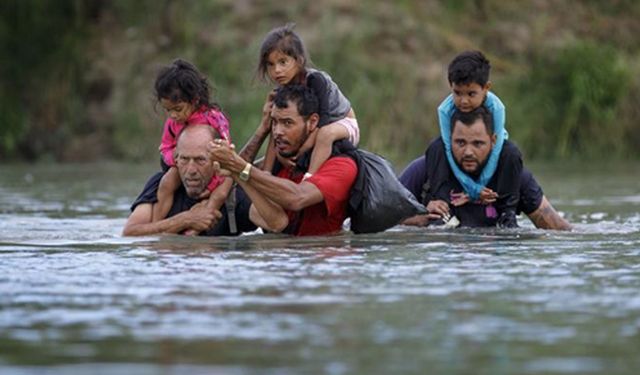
<point x="198" y="218"/>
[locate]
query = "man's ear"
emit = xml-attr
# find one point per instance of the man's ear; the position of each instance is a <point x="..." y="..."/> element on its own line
<point x="494" y="138"/>
<point x="488" y="86"/>
<point x="312" y="122"/>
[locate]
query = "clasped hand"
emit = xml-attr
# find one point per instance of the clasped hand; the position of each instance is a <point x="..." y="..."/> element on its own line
<point x="223" y="154"/>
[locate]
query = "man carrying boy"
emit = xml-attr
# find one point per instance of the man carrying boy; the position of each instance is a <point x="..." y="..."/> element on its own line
<point x="283" y="202"/>
<point x="468" y="76"/>
<point x="472" y="141"/>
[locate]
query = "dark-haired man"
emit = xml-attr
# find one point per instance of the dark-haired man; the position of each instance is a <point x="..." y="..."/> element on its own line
<point x="472" y="139"/>
<point x="284" y="202"/>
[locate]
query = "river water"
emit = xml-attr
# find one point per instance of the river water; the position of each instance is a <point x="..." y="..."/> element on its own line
<point x="77" y="298"/>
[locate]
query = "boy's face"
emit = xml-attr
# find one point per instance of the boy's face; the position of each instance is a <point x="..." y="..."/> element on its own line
<point x="470" y="96"/>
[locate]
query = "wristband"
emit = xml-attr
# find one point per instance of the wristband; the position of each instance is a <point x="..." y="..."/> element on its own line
<point x="245" y="174"/>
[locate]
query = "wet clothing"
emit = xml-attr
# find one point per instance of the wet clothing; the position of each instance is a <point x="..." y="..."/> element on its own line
<point x="182" y="202"/>
<point x="429" y="178"/>
<point x="333" y="104"/>
<point x="334" y="180"/>
<point x="446" y="109"/>
<point x="172" y="128"/>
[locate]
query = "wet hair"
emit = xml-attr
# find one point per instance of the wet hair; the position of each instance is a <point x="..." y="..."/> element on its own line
<point x="303" y="97"/>
<point x="181" y="81"/>
<point x="469" y="67"/>
<point x="285" y="40"/>
<point x="469" y="118"/>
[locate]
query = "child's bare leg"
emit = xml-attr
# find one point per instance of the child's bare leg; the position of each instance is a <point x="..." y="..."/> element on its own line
<point x="546" y="217"/>
<point x="215" y="201"/>
<point x="269" y="157"/>
<point x="324" y="142"/>
<point x="168" y="185"/>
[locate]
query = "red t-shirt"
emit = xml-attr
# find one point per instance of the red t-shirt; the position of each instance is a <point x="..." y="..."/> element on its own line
<point x="334" y="180"/>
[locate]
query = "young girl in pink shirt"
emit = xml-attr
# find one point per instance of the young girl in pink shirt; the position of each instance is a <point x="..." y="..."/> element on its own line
<point x="184" y="93"/>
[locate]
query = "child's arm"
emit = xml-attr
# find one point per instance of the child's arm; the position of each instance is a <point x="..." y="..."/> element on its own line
<point x="269" y="157"/>
<point x="168" y="142"/>
<point x="251" y="148"/>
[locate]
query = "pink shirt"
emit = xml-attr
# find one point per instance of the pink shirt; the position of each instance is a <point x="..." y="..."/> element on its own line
<point x="205" y="116"/>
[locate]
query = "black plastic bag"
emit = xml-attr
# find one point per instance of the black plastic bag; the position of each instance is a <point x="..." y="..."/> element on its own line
<point x="378" y="200"/>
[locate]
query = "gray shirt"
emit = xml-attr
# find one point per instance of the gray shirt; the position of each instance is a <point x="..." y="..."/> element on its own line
<point x="334" y="105"/>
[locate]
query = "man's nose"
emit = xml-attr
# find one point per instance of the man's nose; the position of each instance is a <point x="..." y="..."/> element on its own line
<point x="190" y="167"/>
<point x="276" y="129"/>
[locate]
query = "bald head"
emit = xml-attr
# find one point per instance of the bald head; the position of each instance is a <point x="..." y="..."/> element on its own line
<point x="192" y="158"/>
<point x="198" y="134"/>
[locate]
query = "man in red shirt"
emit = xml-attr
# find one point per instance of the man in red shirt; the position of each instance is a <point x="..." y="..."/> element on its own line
<point x="284" y="202"/>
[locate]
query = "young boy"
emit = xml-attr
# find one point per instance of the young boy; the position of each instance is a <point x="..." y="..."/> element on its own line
<point x="468" y="76"/>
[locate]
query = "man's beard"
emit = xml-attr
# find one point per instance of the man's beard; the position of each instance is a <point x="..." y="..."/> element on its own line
<point x="302" y="140"/>
<point x="479" y="168"/>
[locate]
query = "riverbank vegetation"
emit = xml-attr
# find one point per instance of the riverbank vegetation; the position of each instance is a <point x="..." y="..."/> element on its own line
<point x="77" y="75"/>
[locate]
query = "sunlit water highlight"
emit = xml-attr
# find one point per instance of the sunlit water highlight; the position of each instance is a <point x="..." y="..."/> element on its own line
<point x="76" y="297"/>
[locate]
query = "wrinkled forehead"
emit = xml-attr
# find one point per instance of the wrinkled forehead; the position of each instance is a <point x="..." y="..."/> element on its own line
<point x="194" y="139"/>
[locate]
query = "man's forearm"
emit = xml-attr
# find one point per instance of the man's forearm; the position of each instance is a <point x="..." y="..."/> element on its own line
<point x="174" y="224"/>
<point x="272" y="215"/>
<point x="286" y="193"/>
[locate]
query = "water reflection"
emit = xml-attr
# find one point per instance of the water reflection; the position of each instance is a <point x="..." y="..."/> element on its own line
<point x="464" y="301"/>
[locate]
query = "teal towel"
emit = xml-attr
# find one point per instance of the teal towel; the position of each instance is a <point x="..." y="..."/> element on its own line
<point x="446" y="109"/>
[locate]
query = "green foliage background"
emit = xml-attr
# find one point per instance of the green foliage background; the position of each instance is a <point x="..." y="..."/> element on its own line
<point x="76" y="76"/>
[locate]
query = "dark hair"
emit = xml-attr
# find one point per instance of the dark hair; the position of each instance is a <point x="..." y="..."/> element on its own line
<point x="303" y="97"/>
<point x="469" y="67"/>
<point x="469" y="118"/>
<point x="282" y="39"/>
<point x="181" y="81"/>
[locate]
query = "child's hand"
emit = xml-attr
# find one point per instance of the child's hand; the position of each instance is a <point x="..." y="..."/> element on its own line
<point x="488" y="196"/>
<point x="219" y="171"/>
<point x="268" y="104"/>
<point x="221" y="151"/>
<point x="286" y="162"/>
<point x="309" y="143"/>
<point x="459" y="199"/>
